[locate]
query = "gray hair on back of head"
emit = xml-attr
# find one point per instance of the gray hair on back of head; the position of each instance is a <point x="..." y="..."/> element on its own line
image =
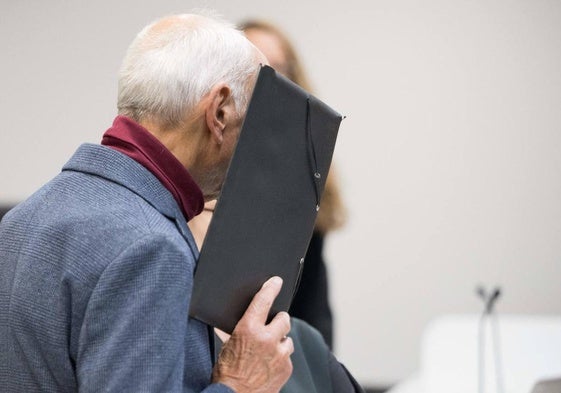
<point x="175" y="61"/>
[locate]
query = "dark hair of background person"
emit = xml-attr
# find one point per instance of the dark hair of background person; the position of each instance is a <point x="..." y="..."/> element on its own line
<point x="311" y="302"/>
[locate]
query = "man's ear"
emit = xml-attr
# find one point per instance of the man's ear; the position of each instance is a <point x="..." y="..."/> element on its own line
<point x="220" y="104"/>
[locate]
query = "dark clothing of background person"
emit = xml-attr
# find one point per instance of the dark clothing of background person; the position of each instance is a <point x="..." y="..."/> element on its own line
<point x="4" y="210"/>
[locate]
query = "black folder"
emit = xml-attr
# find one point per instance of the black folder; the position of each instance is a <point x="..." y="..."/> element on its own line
<point x="265" y="215"/>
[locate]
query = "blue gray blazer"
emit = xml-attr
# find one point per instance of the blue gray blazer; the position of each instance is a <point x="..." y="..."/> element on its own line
<point x="96" y="273"/>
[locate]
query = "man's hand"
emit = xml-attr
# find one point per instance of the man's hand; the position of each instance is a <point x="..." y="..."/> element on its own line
<point x="256" y="358"/>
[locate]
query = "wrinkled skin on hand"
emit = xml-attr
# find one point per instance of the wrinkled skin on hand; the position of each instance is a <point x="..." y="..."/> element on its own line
<point x="256" y="358"/>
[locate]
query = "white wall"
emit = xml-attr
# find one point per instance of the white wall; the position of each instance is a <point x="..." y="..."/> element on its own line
<point x="449" y="157"/>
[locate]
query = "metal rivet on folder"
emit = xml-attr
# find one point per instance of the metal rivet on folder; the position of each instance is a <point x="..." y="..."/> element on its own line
<point x="317" y="208"/>
<point x="301" y="261"/>
<point x="317" y="175"/>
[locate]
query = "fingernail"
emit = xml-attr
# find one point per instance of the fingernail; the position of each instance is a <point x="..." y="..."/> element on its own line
<point x="276" y="280"/>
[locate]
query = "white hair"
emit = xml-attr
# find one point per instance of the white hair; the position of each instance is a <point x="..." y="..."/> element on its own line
<point x="175" y="61"/>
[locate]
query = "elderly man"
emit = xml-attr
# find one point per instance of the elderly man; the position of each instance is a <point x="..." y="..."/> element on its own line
<point x="96" y="267"/>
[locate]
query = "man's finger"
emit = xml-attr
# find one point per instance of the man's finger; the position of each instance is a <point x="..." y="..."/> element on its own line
<point x="287" y="346"/>
<point x="280" y="324"/>
<point x="259" y="307"/>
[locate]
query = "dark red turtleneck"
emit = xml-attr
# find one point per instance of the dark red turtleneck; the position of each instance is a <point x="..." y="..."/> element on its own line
<point x="130" y="138"/>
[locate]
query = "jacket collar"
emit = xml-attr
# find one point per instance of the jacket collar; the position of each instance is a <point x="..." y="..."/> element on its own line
<point x="118" y="168"/>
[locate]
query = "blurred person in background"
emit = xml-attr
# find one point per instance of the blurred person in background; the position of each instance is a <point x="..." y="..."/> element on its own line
<point x="311" y="302"/>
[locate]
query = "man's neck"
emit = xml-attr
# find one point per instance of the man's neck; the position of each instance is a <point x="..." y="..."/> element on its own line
<point x="181" y="140"/>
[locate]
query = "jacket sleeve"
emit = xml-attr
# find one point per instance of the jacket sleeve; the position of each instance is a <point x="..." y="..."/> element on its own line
<point x="133" y="334"/>
<point x="341" y="379"/>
